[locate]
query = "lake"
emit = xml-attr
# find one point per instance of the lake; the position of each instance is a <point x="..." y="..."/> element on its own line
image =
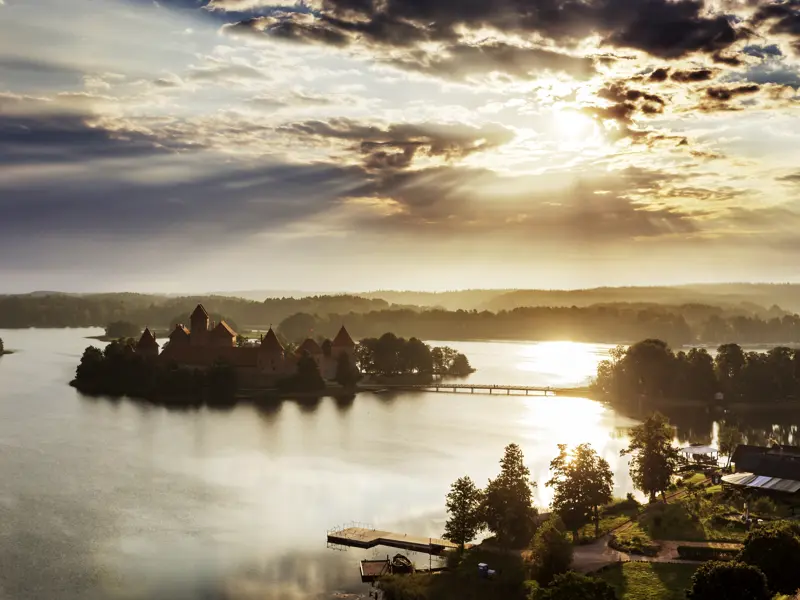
<point x="105" y="499"/>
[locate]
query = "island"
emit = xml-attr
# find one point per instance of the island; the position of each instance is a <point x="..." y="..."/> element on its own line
<point x="209" y="363"/>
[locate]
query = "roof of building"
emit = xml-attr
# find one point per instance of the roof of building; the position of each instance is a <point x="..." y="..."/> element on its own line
<point x="147" y="339"/>
<point x="343" y="339"/>
<point x="180" y="331"/>
<point x="271" y="344"/>
<point x="309" y="346"/>
<point x="199" y="311"/>
<point x="223" y="328"/>
<point x="778" y="461"/>
<point x="699" y="449"/>
<point x="762" y="482"/>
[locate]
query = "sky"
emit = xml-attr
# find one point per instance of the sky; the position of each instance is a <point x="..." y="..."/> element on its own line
<point x="341" y="145"/>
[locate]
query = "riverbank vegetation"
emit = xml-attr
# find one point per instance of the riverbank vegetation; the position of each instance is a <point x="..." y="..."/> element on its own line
<point x="650" y="371"/>
<point x="3" y="348"/>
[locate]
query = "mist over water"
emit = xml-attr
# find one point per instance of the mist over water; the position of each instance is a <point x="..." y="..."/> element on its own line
<point x="119" y="499"/>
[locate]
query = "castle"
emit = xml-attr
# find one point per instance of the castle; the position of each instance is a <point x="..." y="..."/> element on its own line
<point x="205" y="343"/>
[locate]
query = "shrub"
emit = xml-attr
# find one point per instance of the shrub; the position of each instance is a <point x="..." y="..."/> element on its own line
<point x="775" y="549"/>
<point x="634" y="545"/>
<point x="552" y="552"/>
<point x="570" y="586"/>
<point x="704" y="553"/>
<point x="728" y="581"/>
<point x="764" y="506"/>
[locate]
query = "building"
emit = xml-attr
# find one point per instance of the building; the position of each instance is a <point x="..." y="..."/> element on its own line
<point x="206" y="343"/>
<point x="147" y="344"/>
<point x="767" y="469"/>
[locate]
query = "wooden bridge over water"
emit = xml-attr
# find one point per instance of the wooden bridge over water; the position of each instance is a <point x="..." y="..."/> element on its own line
<point x="517" y="390"/>
<point x="364" y="536"/>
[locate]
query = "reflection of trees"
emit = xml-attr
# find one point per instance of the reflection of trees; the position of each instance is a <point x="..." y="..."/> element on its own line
<point x="344" y="402"/>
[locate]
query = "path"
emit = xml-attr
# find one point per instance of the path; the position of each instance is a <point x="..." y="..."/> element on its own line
<point x="591" y="557"/>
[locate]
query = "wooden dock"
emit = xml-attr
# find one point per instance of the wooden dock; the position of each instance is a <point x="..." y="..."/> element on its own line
<point x="361" y="537"/>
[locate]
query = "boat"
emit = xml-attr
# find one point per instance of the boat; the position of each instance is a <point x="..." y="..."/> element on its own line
<point x="402" y="564"/>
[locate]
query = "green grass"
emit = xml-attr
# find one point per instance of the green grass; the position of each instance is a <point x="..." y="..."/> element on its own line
<point x="682" y="521"/>
<point x="649" y="581"/>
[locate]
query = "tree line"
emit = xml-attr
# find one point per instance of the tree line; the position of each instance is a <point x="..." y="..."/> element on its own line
<point x="155" y="311"/>
<point x="651" y="370"/>
<point x="391" y="355"/>
<point x="602" y="323"/>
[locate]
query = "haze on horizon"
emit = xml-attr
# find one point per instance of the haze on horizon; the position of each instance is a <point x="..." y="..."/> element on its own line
<point x="184" y="146"/>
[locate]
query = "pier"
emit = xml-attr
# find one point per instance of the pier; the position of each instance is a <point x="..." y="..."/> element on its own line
<point x="517" y="390"/>
<point x="363" y="537"/>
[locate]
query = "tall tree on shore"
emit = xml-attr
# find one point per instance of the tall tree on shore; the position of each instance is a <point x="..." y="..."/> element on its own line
<point x="653" y="458"/>
<point x="729" y="438"/>
<point x="464" y="512"/>
<point x="508" y="504"/>
<point x="582" y="482"/>
<point x="2" y="348"/>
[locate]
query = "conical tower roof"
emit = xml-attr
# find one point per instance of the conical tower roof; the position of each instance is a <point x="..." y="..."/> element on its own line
<point x="199" y="312"/>
<point x="147" y="339"/>
<point x="343" y="339"/>
<point x="271" y="344"/>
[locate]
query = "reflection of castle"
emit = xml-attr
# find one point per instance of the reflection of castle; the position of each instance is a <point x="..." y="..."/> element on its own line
<point x="206" y="343"/>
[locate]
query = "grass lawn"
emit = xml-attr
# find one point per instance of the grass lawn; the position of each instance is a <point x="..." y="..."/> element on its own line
<point x="675" y="522"/>
<point x="649" y="581"/>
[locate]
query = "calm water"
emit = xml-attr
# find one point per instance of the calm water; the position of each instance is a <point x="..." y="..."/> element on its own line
<point x="118" y="499"/>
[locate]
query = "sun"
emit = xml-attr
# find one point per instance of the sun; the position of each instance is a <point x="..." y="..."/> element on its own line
<point x="571" y="125"/>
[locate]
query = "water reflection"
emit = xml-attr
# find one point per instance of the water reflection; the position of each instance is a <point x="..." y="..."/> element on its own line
<point x="118" y="499"/>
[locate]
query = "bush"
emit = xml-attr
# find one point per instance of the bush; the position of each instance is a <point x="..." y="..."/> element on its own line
<point x="764" y="506"/>
<point x="574" y="586"/>
<point x="728" y="581"/>
<point x="705" y="553"/>
<point x="634" y="545"/>
<point x="406" y="587"/>
<point x="775" y="549"/>
<point x="552" y="552"/>
<point x="630" y="504"/>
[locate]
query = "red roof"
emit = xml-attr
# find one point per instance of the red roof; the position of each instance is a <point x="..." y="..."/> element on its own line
<point x="271" y="344"/>
<point x="224" y="328"/>
<point x="309" y="346"/>
<point x="148" y="340"/>
<point x="343" y="339"/>
<point x="199" y="312"/>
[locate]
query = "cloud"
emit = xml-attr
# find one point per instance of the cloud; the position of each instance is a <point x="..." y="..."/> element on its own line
<point x="692" y="76"/>
<point x="759" y="51"/>
<point x="396" y="146"/>
<point x="793" y="178"/>
<point x="460" y="61"/>
<point x="661" y="28"/>
<point x="723" y="94"/>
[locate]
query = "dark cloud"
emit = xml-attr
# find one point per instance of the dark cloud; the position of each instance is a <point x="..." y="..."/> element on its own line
<point x="625" y="103"/>
<point x="793" y="178"/>
<point x="692" y="76"/>
<point x="659" y="75"/>
<point x="724" y="94"/>
<point x="460" y="61"/>
<point x="396" y="146"/>
<point x="662" y="28"/>
<point x="600" y="208"/>
<point x="783" y="17"/>
<point x="726" y="59"/>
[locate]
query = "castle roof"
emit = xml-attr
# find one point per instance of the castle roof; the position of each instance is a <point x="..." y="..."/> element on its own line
<point x="179" y="332"/>
<point x="309" y="346"/>
<point x="199" y="312"/>
<point x="343" y="339"/>
<point x="223" y="328"/>
<point x="271" y="344"/>
<point x="147" y="339"/>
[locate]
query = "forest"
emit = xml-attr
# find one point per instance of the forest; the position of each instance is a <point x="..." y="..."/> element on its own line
<point x="650" y="370"/>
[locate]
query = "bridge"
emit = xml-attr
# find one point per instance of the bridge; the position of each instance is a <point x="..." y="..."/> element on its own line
<point x="517" y="390"/>
<point x="364" y="536"/>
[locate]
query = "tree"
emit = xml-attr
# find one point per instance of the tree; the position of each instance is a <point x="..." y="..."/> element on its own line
<point x="122" y="329"/>
<point x="464" y="510"/>
<point x="575" y="586"/>
<point x="551" y="551"/>
<point x="729" y="364"/>
<point x="347" y="374"/>
<point x="775" y="549"/>
<point x="508" y="505"/>
<point x="581" y="482"/>
<point x="729" y="438"/>
<point x="653" y="458"/>
<point x="2" y="348"/>
<point x="460" y="366"/>
<point x="717" y="580"/>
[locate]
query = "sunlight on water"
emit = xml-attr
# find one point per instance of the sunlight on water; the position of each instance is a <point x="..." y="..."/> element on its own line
<point x="566" y="362"/>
